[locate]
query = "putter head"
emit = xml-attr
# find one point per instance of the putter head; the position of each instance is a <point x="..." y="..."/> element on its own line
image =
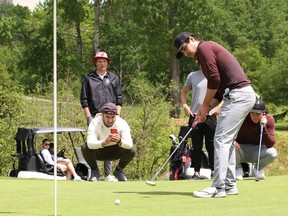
<point x="151" y="183"/>
<point x="173" y="138"/>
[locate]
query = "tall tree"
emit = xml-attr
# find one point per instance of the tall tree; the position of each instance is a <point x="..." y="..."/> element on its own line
<point x="274" y="80"/>
<point x="74" y="13"/>
<point x="96" y="43"/>
<point x="14" y="29"/>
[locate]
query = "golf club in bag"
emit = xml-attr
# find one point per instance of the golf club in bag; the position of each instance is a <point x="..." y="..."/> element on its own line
<point x="181" y="160"/>
<point x="259" y="152"/>
<point x="152" y="182"/>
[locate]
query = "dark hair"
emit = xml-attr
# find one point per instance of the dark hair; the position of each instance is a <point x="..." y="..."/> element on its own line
<point x="44" y="140"/>
<point x="195" y="37"/>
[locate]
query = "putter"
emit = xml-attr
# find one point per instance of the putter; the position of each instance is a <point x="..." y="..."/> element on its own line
<point x="152" y="182"/>
<point x="258" y="160"/>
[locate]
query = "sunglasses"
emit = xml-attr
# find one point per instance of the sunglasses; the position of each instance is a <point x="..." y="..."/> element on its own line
<point x="47" y="144"/>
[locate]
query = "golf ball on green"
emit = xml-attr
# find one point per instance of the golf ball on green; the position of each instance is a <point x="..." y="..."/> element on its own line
<point x="117" y="202"/>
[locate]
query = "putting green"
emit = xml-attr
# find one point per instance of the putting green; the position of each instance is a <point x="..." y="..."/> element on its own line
<point x="36" y="197"/>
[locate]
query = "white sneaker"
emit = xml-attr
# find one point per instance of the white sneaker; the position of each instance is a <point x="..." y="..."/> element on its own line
<point x="210" y="192"/>
<point x="239" y="174"/>
<point x="77" y="178"/>
<point x="101" y="178"/>
<point x="259" y="175"/>
<point x="231" y="190"/>
<point x="95" y="174"/>
<point x="111" y="178"/>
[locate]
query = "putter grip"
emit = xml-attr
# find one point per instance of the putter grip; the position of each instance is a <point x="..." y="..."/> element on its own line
<point x="194" y="124"/>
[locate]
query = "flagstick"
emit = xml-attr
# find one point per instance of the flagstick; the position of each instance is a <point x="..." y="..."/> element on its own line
<point x="55" y="100"/>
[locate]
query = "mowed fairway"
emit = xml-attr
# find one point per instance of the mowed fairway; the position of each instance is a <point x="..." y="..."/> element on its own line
<point x="36" y="197"/>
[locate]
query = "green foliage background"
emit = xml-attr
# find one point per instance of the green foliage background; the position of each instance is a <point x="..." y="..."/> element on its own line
<point x="138" y="36"/>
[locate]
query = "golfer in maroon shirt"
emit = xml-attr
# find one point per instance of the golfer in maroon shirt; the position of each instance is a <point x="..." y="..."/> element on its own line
<point x="226" y="81"/>
<point x="247" y="141"/>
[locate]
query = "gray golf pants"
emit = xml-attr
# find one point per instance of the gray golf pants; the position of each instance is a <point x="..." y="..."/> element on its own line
<point x="107" y="167"/>
<point x="237" y="104"/>
<point x="249" y="153"/>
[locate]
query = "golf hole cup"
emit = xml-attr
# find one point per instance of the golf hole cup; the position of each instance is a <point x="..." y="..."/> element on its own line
<point x="117" y="202"/>
<point x="114" y="131"/>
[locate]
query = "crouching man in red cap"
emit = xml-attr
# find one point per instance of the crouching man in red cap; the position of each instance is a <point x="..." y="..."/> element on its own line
<point x="109" y="138"/>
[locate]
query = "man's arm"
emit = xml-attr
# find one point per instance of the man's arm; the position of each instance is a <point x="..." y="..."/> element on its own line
<point x="119" y="109"/>
<point x="123" y="138"/>
<point x="92" y="140"/>
<point x="47" y="157"/>
<point x="268" y="132"/>
<point x="118" y="93"/>
<point x="206" y="106"/>
<point x="209" y="97"/>
<point x="125" y="135"/>
<point x="186" y="108"/>
<point x="88" y="115"/>
<point x="84" y="101"/>
<point x="84" y="93"/>
<point x="87" y="112"/>
<point x="217" y="106"/>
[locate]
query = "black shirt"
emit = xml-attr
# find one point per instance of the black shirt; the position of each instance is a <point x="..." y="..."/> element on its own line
<point x="96" y="91"/>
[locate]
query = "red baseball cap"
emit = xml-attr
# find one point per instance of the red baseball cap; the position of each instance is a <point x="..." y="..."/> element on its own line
<point x="101" y="55"/>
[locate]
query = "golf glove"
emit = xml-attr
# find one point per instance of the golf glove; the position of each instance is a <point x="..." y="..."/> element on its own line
<point x="263" y="120"/>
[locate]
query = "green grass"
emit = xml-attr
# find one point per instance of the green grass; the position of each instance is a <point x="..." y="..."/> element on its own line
<point x="36" y="197"/>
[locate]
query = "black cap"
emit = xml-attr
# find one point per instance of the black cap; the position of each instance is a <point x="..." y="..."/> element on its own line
<point x="178" y="42"/>
<point x="109" y="108"/>
<point x="259" y="107"/>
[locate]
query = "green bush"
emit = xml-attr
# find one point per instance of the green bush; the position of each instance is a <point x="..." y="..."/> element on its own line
<point x="147" y="114"/>
<point x="280" y="165"/>
<point x="12" y="111"/>
<point x="281" y="126"/>
<point x="148" y="117"/>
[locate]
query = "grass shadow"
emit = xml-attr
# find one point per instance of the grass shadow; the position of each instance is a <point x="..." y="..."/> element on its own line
<point x="156" y="193"/>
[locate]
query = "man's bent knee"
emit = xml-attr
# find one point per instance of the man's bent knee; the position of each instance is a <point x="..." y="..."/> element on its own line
<point x="272" y="153"/>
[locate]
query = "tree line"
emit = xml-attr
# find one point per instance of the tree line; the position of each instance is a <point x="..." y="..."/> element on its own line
<point x="138" y="35"/>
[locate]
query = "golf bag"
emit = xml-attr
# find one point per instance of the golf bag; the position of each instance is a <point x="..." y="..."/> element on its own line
<point x="181" y="159"/>
<point x="82" y="168"/>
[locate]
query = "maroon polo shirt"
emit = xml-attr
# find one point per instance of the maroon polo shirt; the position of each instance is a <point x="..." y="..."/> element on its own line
<point x="220" y="67"/>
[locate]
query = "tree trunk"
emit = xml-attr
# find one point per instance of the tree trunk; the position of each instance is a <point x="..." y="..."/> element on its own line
<point x="79" y="40"/>
<point x="174" y="67"/>
<point x="96" y="25"/>
<point x="175" y="91"/>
